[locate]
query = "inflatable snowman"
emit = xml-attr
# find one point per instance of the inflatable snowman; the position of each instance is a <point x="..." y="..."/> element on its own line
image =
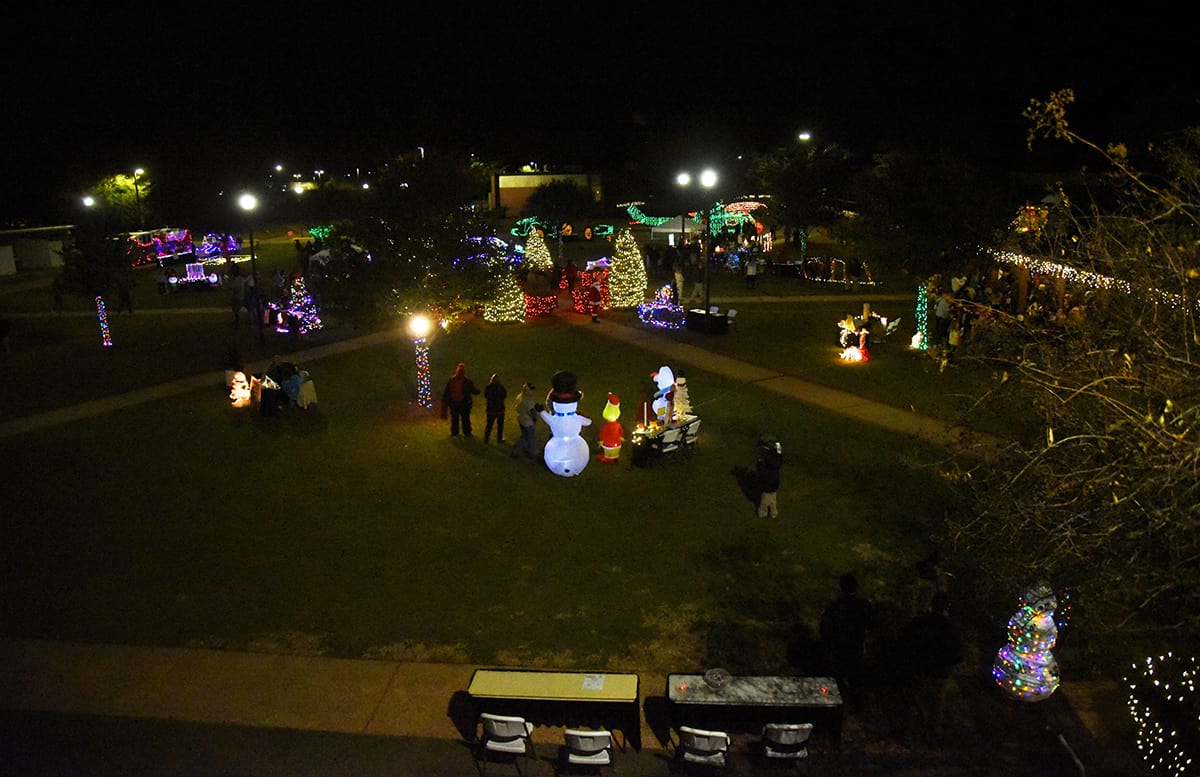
<point x="566" y="453"/>
<point x="664" y="397"/>
<point x="612" y="434"/>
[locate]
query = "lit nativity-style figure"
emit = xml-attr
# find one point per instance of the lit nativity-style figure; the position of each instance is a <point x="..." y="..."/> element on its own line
<point x="239" y="390"/>
<point x="612" y="434"/>
<point x="566" y="453"/>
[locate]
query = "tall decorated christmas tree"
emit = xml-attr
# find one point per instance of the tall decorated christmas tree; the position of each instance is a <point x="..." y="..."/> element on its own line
<point x="627" y="280"/>
<point x="508" y="304"/>
<point x="541" y="281"/>
<point x="302" y="309"/>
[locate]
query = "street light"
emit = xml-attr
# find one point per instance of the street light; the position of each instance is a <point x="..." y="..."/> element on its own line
<point x="249" y="202"/>
<point x="708" y="179"/>
<point x="419" y="327"/>
<point x="137" y="196"/>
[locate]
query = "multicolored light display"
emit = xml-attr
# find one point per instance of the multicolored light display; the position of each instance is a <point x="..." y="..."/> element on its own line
<point x="102" y="314"/>
<point x="1025" y="667"/>
<point x="662" y="310"/>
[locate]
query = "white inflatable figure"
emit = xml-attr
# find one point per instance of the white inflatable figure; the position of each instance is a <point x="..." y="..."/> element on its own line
<point x="566" y="453"/>
<point x="665" y="396"/>
<point x="683" y="403"/>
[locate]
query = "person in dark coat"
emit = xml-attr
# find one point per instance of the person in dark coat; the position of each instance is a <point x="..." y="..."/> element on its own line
<point x="931" y="647"/>
<point x="457" y="399"/>
<point x="844" y="627"/>
<point x="768" y="464"/>
<point x="496" y="397"/>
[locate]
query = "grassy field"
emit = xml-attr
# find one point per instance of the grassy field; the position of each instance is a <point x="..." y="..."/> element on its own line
<point x="362" y="529"/>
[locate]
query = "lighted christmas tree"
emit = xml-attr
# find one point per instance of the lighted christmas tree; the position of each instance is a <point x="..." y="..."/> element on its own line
<point x="508" y="305"/>
<point x="1025" y="667"/>
<point x="627" y="276"/>
<point x="302" y="309"/>
<point x="541" y="288"/>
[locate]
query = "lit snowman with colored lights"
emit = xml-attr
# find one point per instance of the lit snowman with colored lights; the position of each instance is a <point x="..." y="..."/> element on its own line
<point x="566" y="453"/>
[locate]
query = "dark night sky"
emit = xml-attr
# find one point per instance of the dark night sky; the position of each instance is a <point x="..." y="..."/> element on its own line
<point x="214" y="98"/>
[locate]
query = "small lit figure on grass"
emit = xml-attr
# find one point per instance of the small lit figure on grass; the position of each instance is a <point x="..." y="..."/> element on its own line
<point x="239" y="390"/>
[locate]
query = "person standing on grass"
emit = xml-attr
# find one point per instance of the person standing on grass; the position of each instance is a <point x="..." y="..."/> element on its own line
<point x="844" y="626"/>
<point x="457" y="399"/>
<point x="751" y="271"/>
<point x="527" y="410"/>
<point x="931" y="647"/>
<point x="768" y="464"/>
<point x="496" y="397"/>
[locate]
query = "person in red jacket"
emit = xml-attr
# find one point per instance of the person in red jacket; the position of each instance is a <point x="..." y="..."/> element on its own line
<point x="457" y="400"/>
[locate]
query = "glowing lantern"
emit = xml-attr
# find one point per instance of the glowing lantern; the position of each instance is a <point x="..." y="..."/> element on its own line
<point x="239" y="390"/>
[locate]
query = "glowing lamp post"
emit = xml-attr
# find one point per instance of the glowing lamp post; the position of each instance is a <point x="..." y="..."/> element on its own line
<point x="248" y="203"/>
<point x="708" y="179"/>
<point x="137" y="195"/>
<point x="419" y="327"/>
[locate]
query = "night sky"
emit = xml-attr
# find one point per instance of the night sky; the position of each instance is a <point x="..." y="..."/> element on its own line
<point x="216" y="99"/>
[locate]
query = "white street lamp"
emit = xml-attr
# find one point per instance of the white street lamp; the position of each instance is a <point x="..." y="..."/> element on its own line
<point x="137" y="195"/>
<point x="249" y="203"/>
<point x="708" y="179"/>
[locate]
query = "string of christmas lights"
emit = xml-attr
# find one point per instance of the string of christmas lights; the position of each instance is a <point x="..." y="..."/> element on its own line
<point x="1166" y="710"/>
<point x="424" y="383"/>
<point x="102" y="314"/>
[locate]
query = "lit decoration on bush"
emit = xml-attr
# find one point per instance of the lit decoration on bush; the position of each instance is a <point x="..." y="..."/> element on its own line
<point x="566" y="453"/>
<point x="102" y="314"/>
<point x="1030" y="218"/>
<point x="1025" y="667"/>
<point x="541" y="296"/>
<point x="301" y="309"/>
<point x="1166" y="711"/>
<point x="508" y="306"/>
<point x="612" y="434"/>
<point x="662" y="310"/>
<point x="215" y="246"/>
<point x="321" y="232"/>
<point x="239" y="390"/>
<point x="627" y="281"/>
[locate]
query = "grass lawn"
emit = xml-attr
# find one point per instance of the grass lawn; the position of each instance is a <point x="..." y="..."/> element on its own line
<point x="362" y="529"/>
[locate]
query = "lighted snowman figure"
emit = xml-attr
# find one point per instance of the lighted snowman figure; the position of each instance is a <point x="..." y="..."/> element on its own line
<point x="612" y="434"/>
<point x="665" y="396"/>
<point x="566" y="453"/>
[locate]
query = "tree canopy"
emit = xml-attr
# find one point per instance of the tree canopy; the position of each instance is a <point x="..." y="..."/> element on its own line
<point x="1105" y="500"/>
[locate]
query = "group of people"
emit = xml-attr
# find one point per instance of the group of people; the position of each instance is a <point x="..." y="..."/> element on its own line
<point x="459" y="398"/>
<point x="921" y="656"/>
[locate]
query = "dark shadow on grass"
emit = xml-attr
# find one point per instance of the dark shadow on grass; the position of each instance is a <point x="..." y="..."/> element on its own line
<point x="747" y="480"/>
<point x="657" y="713"/>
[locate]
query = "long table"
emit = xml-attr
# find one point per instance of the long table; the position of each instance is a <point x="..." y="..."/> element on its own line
<point x="648" y="441"/>
<point x="606" y="699"/>
<point x="747" y="702"/>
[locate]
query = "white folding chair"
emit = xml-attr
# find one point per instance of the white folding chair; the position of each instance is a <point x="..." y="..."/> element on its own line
<point x="670" y="442"/>
<point x="730" y="315"/>
<point x="786" y="741"/>
<point x="586" y="748"/>
<point x="706" y="748"/>
<point x="691" y="435"/>
<point x="506" y="735"/>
